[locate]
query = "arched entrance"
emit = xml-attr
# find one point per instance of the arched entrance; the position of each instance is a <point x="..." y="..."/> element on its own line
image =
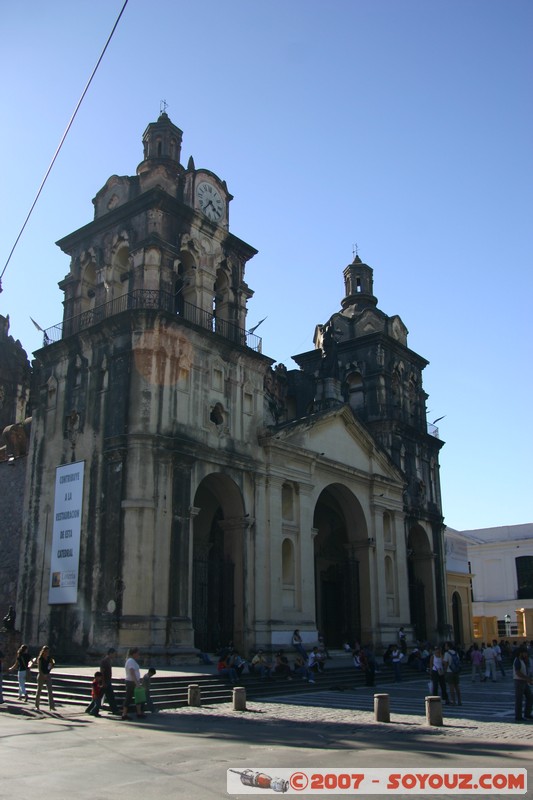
<point x="217" y="569"/>
<point x="341" y="566"/>
<point x="421" y="583"/>
<point x="457" y="618"/>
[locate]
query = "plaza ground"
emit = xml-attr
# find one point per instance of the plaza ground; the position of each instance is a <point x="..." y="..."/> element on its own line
<point x="186" y="752"/>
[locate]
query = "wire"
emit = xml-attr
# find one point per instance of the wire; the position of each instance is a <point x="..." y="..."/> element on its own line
<point x="60" y="145"/>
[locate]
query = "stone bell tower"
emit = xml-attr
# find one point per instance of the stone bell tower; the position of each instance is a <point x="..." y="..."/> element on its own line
<point x="362" y="359"/>
<point x="148" y="384"/>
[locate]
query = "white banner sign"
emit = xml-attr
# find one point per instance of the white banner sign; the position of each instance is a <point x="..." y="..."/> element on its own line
<point x="66" y="532"/>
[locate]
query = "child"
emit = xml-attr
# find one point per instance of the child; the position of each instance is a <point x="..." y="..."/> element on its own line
<point x="97" y="691"/>
<point x="146" y="683"/>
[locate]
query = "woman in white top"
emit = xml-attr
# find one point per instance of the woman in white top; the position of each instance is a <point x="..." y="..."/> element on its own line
<point x="436" y="672"/>
<point x="298" y="644"/>
<point x="132" y="676"/>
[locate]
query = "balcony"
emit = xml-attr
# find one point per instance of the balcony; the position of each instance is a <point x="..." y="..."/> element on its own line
<point x="152" y="299"/>
<point x="433" y="430"/>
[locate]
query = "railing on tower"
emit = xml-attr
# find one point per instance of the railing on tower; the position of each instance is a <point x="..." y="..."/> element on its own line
<point x="158" y="300"/>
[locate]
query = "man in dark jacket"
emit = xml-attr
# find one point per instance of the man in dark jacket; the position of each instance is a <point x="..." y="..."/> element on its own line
<point x="106" y="669"/>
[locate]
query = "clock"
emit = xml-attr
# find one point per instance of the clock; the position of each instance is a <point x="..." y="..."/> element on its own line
<point x="210" y="201"/>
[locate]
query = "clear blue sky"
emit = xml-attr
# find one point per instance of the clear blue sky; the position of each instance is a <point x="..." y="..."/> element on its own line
<point x="403" y="125"/>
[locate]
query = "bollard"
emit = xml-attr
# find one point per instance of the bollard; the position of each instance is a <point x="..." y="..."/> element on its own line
<point x="434" y="711"/>
<point x="194" y="695"/>
<point x="239" y="698"/>
<point x="381" y="708"/>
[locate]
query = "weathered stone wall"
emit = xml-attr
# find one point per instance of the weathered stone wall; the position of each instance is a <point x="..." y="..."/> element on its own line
<point x="12" y="476"/>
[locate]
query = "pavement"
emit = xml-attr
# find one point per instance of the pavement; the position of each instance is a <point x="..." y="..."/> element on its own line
<point x="187" y="751"/>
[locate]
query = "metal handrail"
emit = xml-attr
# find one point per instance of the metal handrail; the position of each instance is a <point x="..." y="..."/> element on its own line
<point x="158" y="300"/>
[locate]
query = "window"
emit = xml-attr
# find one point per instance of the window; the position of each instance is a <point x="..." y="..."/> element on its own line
<point x="217" y="415"/>
<point x="288" y="574"/>
<point x="287" y="502"/>
<point x="524" y="575"/>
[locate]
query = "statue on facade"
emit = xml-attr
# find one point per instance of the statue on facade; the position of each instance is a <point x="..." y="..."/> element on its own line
<point x="330" y="358"/>
<point x="9" y="619"/>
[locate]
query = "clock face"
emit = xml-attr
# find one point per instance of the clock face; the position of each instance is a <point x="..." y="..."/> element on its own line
<point x="210" y="201"/>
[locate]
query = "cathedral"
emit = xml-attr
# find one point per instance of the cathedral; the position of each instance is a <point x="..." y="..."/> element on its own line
<point x="183" y="490"/>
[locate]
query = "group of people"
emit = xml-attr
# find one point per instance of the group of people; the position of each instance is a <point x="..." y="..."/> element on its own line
<point x="137" y="688"/>
<point x="43" y="665"/>
<point x="444" y="664"/>
<point x="306" y="664"/>
<point x="444" y="673"/>
<point x="486" y="661"/>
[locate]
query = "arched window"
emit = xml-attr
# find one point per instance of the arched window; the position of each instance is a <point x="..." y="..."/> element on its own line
<point x="411" y="400"/>
<point x="217" y="414"/>
<point x="356" y="397"/>
<point x="396" y="386"/>
<point x="88" y="283"/>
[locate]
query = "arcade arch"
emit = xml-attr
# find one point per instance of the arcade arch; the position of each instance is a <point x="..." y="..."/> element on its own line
<point x="421" y="573"/>
<point x="218" y="564"/>
<point x="342" y="565"/>
<point x="457" y="618"/>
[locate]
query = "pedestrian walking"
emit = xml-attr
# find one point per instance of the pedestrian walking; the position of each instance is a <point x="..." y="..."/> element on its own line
<point x="436" y="672"/>
<point x="489" y="659"/>
<point x="368" y="664"/>
<point x="97" y="690"/>
<point x="476" y="659"/>
<point x="498" y="655"/>
<point x="522" y="689"/>
<point x="106" y="668"/>
<point x="396" y="660"/>
<point x="22" y="666"/>
<point x="147" y="683"/>
<point x="132" y="677"/>
<point x="452" y="664"/>
<point x="45" y="664"/>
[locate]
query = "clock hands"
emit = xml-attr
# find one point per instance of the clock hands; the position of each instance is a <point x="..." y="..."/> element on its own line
<point x="215" y="211"/>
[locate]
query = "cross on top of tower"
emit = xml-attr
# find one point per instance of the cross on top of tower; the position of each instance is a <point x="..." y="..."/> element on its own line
<point x="163" y="107"/>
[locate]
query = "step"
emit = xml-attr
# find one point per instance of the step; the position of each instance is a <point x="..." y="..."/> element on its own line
<point x="172" y="691"/>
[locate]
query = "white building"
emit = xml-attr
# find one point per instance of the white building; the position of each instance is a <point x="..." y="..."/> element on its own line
<point x="501" y="571"/>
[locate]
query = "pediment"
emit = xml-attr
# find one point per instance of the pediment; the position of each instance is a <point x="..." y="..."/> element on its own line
<point x="337" y="435"/>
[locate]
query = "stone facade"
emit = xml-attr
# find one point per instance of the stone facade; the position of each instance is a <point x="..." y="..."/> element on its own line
<point x="223" y="499"/>
<point x="12" y="480"/>
<point x="15" y="380"/>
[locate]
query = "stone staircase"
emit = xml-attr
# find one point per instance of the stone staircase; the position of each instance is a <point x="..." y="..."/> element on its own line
<point x="171" y="691"/>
